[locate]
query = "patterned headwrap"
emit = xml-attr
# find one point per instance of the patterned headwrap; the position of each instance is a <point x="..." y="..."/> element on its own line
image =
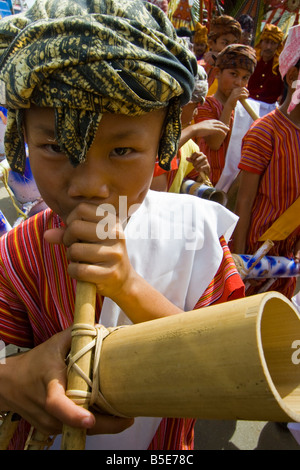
<point x="289" y="58"/>
<point x="88" y="57"/>
<point x="275" y="34"/>
<point x="224" y="25"/>
<point x="237" y="56"/>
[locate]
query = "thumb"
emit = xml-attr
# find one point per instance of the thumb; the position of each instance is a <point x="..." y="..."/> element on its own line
<point x="54" y="235"/>
<point x="65" y="410"/>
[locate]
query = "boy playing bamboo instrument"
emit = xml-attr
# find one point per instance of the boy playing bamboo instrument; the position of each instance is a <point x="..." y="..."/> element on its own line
<point x="234" y="66"/>
<point x="95" y="88"/>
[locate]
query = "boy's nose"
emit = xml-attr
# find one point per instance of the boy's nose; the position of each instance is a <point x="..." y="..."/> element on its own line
<point x="238" y="81"/>
<point x="89" y="181"/>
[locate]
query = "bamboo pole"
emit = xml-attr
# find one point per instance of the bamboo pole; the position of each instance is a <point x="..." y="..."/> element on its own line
<point x="249" y="110"/>
<point x="84" y="314"/>
<point x="8" y="428"/>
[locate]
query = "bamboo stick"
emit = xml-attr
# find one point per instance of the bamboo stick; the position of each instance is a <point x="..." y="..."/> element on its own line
<point x="249" y="110"/>
<point x="7" y="429"/>
<point x="74" y="438"/>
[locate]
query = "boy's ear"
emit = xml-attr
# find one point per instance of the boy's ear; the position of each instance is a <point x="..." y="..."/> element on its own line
<point x="291" y="76"/>
<point x="217" y="71"/>
<point x="211" y="43"/>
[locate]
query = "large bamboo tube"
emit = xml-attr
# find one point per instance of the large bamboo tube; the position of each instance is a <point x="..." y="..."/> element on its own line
<point x="229" y="361"/>
<point x="84" y="316"/>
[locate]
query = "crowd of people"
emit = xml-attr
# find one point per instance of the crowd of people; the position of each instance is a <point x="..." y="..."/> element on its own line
<point x="110" y="102"/>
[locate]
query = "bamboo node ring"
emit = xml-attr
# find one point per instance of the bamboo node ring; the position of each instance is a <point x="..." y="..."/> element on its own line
<point x="94" y="397"/>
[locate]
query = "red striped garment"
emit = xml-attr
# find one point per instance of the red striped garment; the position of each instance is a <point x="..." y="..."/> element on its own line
<point x="271" y="148"/>
<point x="37" y="301"/>
<point x="212" y="109"/>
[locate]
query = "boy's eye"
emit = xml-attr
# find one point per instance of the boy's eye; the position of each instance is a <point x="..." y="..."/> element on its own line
<point x="121" y="151"/>
<point x="53" y="148"/>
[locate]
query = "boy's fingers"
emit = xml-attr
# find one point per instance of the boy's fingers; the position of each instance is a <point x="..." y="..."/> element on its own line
<point x="106" y="424"/>
<point x="54" y="235"/>
<point x="65" y="410"/>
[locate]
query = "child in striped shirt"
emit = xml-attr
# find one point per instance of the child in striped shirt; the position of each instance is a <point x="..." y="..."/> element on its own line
<point x="270" y="169"/>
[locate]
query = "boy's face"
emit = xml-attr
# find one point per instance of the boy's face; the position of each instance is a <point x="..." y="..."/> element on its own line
<point x="228" y="79"/>
<point x="222" y="41"/>
<point x="120" y="161"/>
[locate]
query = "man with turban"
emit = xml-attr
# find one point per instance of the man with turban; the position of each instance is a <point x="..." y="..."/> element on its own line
<point x="200" y="45"/>
<point x="266" y="85"/>
<point x="95" y="89"/>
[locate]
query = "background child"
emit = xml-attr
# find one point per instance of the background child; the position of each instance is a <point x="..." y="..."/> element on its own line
<point x="233" y="68"/>
<point x="270" y="166"/>
<point x="223" y="31"/>
<point x="96" y="105"/>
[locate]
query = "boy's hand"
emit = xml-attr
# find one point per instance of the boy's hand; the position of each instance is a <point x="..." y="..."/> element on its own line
<point x="200" y="162"/>
<point x="236" y="95"/>
<point x="35" y="389"/>
<point x="210" y="127"/>
<point x="96" y="249"/>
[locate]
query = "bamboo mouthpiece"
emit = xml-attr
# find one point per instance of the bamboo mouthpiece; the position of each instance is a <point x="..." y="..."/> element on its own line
<point x="80" y="364"/>
<point x="249" y="110"/>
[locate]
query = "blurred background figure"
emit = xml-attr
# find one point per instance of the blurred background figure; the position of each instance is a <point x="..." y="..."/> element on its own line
<point x="199" y="40"/>
<point x="266" y="85"/>
<point x="247" y="25"/>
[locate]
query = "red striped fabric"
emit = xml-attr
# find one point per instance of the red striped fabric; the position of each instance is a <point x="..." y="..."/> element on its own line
<point x="37" y="301"/>
<point x="271" y="148"/>
<point x="212" y="109"/>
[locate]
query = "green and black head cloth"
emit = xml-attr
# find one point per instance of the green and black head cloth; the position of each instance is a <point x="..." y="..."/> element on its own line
<point x="88" y="57"/>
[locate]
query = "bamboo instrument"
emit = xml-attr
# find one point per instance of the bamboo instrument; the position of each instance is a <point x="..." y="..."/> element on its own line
<point x="268" y="267"/>
<point x="83" y="329"/>
<point x="233" y="361"/>
<point x="204" y="191"/>
<point x="8" y="428"/>
<point x="230" y="361"/>
<point x="245" y="268"/>
<point x="249" y="110"/>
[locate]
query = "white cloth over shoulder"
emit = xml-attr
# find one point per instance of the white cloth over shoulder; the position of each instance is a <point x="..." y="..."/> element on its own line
<point x="241" y="124"/>
<point x="172" y="242"/>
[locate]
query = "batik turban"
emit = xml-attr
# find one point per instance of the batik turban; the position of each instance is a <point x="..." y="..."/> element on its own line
<point x="271" y="32"/>
<point x="200" y="35"/>
<point x="88" y="57"/>
<point x="289" y="58"/>
<point x="224" y="25"/>
<point x="237" y="56"/>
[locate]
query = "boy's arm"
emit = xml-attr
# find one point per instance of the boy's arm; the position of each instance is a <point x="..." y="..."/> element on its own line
<point x="209" y="127"/>
<point x="247" y="193"/>
<point x="33" y="385"/>
<point x="215" y="142"/>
